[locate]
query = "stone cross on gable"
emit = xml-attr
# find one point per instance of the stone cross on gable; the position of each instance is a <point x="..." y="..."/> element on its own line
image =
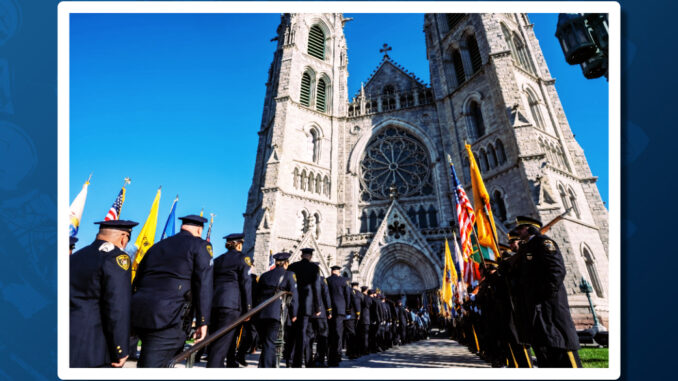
<point x="385" y="49"/>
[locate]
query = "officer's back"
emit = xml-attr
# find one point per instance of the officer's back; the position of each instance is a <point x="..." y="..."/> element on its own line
<point x="339" y="293"/>
<point x="365" y="309"/>
<point x="232" y="282"/>
<point x="308" y="284"/>
<point x="268" y="285"/>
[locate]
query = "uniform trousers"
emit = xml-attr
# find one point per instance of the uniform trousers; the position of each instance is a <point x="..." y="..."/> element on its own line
<point x="159" y="346"/>
<point x="336" y="333"/>
<point x="300" y="350"/>
<point x="320" y="332"/>
<point x="223" y="346"/>
<point x="363" y="338"/>
<point x="549" y="357"/>
<point x="268" y="330"/>
<point x="351" y="336"/>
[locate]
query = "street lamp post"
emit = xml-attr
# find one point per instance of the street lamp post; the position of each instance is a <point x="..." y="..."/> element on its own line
<point x="585" y="287"/>
<point x="584" y="40"/>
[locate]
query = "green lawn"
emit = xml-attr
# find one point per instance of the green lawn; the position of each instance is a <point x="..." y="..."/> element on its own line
<point x="594" y="357"/>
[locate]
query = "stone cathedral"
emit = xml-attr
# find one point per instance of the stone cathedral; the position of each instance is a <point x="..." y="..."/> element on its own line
<point x="364" y="178"/>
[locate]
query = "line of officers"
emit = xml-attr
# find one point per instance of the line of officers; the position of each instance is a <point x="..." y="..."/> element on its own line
<point x="179" y="290"/>
<point x="520" y="303"/>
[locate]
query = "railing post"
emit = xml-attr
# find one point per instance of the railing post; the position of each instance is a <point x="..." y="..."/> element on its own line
<point x="280" y="341"/>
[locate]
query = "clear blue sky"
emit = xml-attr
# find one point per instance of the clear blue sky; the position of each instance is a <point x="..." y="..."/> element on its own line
<point x="176" y="100"/>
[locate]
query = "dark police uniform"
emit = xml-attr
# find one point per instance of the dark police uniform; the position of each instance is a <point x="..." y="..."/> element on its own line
<point x="364" y="322"/>
<point x="232" y="298"/>
<point x="268" y="319"/>
<point x="350" y="324"/>
<point x="100" y="294"/>
<point x="175" y="273"/>
<point x="340" y="294"/>
<point x="320" y="326"/>
<point x="308" y="282"/>
<point x="376" y="319"/>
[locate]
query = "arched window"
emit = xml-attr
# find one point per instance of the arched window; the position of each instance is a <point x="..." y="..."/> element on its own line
<point x="491" y="156"/>
<point x="535" y="110"/>
<point x="311" y="182"/>
<point x="412" y="214"/>
<point x="432" y="217"/>
<point x="320" y="102"/>
<point x="477" y="126"/>
<point x="363" y="222"/>
<point x="314" y="141"/>
<point x="304" y="221"/>
<point x="509" y="41"/>
<point x="326" y="187"/>
<point x="458" y="67"/>
<point x="593" y="274"/>
<point x="423" y="224"/>
<point x="316" y="218"/>
<point x="407" y="100"/>
<point x="296" y="178"/>
<point x="316" y="42"/>
<point x="371" y="107"/>
<point x="563" y="197"/>
<point x="453" y="19"/>
<point x="305" y="97"/>
<point x="388" y="100"/>
<point x="380" y="217"/>
<point x="373" y="221"/>
<point x="483" y="161"/>
<point x="304" y="180"/>
<point x="318" y="184"/>
<point x="501" y="154"/>
<point x="474" y="53"/>
<point x="498" y="206"/>
<point x="523" y="60"/>
<point x="573" y="203"/>
<point x="562" y="157"/>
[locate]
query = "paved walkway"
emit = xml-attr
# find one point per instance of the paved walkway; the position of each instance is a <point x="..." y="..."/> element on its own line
<point x="433" y="353"/>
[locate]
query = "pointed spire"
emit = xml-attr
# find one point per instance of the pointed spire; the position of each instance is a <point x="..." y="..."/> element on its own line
<point x="362" y="89"/>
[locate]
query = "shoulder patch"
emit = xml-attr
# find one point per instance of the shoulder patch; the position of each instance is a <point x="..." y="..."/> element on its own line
<point x="209" y="249"/>
<point x="550" y="246"/>
<point x="258" y="276"/>
<point x="123" y="261"/>
<point x="248" y="261"/>
<point x="106" y="247"/>
<point x="294" y="276"/>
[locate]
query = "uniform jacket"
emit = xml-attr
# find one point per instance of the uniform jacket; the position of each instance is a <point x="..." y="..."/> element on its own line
<point x="232" y="281"/>
<point x="271" y="282"/>
<point x="326" y="307"/>
<point x="100" y="293"/>
<point x="308" y="283"/>
<point x="355" y="305"/>
<point x="340" y="293"/>
<point x="170" y="269"/>
<point x="365" y="308"/>
<point x="376" y="312"/>
<point x="543" y="271"/>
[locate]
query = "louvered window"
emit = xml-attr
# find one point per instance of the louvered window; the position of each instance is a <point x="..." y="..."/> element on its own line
<point x="316" y="42"/>
<point x="320" y="101"/>
<point x="305" y="97"/>
<point x="453" y="19"/>
<point x="474" y="52"/>
<point x="458" y="67"/>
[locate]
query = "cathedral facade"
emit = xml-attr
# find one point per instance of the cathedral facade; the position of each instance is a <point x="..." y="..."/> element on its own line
<point x="364" y="179"/>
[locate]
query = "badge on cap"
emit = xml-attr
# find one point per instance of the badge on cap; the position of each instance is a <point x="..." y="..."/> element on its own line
<point x="248" y="261"/>
<point x="123" y="261"/>
<point x="528" y="256"/>
<point x="209" y="249"/>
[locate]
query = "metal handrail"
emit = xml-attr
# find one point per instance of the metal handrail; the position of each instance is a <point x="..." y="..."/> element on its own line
<point x="222" y="331"/>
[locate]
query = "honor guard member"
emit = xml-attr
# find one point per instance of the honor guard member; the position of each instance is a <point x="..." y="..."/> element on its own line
<point x="71" y="244"/>
<point x="173" y="280"/>
<point x="364" y="321"/>
<point x="552" y="330"/>
<point x="268" y="319"/>
<point x="308" y="282"/>
<point x="376" y="318"/>
<point x="100" y="294"/>
<point x="340" y="294"/>
<point x="320" y="327"/>
<point x="232" y="298"/>
<point x="351" y="322"/>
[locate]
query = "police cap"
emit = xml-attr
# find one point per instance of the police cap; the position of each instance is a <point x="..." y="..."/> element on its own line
<point x="355" y="283"/>
<point x="193" y="219"/>
<point x="370" y="291"/>
<point x="307" y="250"/>
<point x="513" y="234"/>
<point x="234" y="237"/>
<point x="503" y="246"/>
<point x="123" y="225"/>
<point x="335" y="268"/>
<point x="363" y="288"/>
<point x="281" y="256"/>
<point x="522" y="221"/>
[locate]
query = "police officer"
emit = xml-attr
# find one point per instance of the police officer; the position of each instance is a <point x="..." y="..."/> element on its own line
<point x="320" y="327"/>
<point x="100" y="294"/>
<point x="364" y="321"/>
<point x="340" y="294"/>
<point x="173" y="280"/>
<point x="552" y="332"/>
<point x="71" y="244"/>
<point x="232" y="298"/>
<point x="351" y="322"/>
<point x="308" y="282"/>
<point x="376" y="317"/>
<point x="268" y="319"/>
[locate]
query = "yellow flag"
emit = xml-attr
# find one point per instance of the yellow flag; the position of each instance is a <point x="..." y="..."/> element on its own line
<point x="449" y="277"/>
<point x="481" y="203"/>
<point x="146" y="235"/>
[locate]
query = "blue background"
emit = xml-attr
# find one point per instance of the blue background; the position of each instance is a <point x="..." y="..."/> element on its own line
<point x="28" y="131"/>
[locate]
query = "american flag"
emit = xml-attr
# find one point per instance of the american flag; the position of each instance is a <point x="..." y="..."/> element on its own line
<point x="114" y="212"/>
<point x="209" y="229"/>
<point x="465" y="215"/>
<point x="271" y="261"/>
